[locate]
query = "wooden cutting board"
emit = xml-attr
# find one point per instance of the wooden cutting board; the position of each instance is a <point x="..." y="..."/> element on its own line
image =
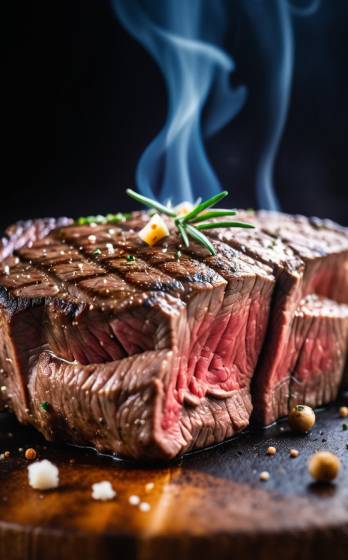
<point x="210" y="505"/>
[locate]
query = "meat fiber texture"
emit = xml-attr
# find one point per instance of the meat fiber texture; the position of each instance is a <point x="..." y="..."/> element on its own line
<point x="150" y="352"/>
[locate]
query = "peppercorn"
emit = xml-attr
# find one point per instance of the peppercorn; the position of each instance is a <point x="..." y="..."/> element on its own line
<point x="343" y="411"/>
<point x="30" y="454"/>
<point x="264" y="476"/>
<point x="294" y="453"/>
<point x="324" y="466"/>
<point x="271" y="450"/>
<point x="301" y="418"/>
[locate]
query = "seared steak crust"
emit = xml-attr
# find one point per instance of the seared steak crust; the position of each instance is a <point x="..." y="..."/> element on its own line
<point x="148" y="352"/>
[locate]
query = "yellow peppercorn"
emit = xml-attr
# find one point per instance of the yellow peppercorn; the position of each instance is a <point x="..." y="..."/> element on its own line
<point x="301" y="418"/>
<point x="343" y="411"/>
<point x="324" y="466"/>
<point x="264" y="476"/>
<point x="294" y="453"/>
<point x="271" y="450"/>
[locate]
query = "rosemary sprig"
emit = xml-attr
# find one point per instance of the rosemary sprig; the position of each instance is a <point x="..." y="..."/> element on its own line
<point x="151" y="203"/>
<point x="192" y="224"/>
<point x="213" y="225"/>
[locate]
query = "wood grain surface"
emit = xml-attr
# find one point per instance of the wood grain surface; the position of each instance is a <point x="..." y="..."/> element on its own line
<point x="210" y="505"/>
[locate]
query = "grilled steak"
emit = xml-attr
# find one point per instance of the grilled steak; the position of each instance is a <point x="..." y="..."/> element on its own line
<point x="149" y="352"/>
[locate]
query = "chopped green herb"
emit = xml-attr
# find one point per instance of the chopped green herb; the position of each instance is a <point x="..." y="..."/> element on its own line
<point x="130" y="258"/>
<point x="44" y="405"/>
<point x="178" y="254"/>
<point x="96" y="252"/>
<point x="344" y="427"/>
<point x="108" y="219"/>
<point x="192" y="224"/>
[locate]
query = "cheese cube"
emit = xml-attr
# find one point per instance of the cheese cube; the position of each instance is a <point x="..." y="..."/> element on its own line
<point x="154" y="230"/>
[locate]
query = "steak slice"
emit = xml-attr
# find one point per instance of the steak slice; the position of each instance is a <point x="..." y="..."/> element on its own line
<point x="319" y="345"/>
<point x="306" y="259"/>
<point x="92" y="309"/>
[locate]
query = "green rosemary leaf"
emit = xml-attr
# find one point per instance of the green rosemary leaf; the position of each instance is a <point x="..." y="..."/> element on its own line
<point x="201" y="238"/>
<point x="214" y="225"/>
<point x="150" y="203"/>
<point x="183" y="234"/>
<point x="203" y="205"/>
<point x="213" y="214"/>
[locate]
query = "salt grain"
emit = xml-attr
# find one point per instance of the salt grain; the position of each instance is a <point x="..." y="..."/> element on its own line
<point x="134" y="500"/>
<point x="103" y="491"/>
<point x="43" y="475"/>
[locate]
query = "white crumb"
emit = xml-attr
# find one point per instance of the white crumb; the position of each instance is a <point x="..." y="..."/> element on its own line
<point x="43" y="475"/>
<point x="134" y="500"/>
<point x="144" y="506"/>
<point x="103" y="491"/>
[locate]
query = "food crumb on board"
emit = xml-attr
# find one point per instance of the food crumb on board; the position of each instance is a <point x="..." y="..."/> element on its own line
<point x="271" y="450"/>
<point x="7" y="454"/>
<point x="294" y="453"/>
<point x="30" y="454"/>
<point x="264" y="476"/>
<point x="134" y="500"/>
<point x="149" y="486"/>
<point x="103" y="491"/>
<point x="43" y="475"/>
<point x="144" y="506"/>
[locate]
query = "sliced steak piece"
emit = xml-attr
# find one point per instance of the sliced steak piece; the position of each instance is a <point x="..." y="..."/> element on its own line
<point x="323" y="249"/>
<point x="118" y="406"/>
<point x="305" y="259"/>
<point x="93" y="308"/>
<point x="319" y="345"/>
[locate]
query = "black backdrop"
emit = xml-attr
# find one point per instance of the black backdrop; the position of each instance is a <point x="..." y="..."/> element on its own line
<point x="83" y="100"/>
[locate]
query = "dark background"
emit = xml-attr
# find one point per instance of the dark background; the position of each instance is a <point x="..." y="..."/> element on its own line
<point x="83" y="100"/>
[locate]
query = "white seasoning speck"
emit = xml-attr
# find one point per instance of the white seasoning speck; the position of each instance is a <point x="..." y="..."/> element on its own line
<point x="149" y="486"/>
<point x="6" y="269"/>
<point x="103" y="491"/>
<point x="110" y="248"/>
<point x="92" y="238"/>
<point x="43" y="475"/>
<point x="134" y="500"/>
<point x="144" y="506"/>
